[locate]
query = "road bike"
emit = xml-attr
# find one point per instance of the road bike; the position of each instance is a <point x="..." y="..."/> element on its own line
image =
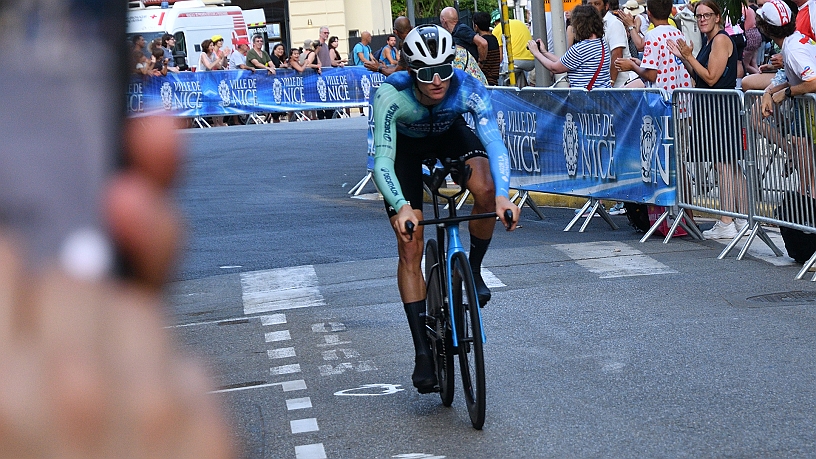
<point x="453" y="317"/>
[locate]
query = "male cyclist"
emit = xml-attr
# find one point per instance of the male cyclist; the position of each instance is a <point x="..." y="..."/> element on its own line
<point x="418" y="115"/>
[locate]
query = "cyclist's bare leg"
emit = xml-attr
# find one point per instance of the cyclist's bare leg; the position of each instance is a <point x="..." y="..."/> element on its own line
<point x="412" y="291"/>
<point x="481" y="187"/>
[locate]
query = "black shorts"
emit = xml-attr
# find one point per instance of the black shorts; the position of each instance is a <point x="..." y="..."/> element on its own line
<point x="458" y="141"/>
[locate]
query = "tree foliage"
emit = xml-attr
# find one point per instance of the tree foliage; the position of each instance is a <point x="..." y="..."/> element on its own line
<point x="431" y="8"/>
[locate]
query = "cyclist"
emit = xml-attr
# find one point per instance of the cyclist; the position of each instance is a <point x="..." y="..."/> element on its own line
<point x="417" y="116"/>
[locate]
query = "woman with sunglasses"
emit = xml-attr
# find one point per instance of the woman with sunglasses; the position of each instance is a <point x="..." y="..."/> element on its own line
<point x="418" y="115"/>
<point x="336" y="60"/>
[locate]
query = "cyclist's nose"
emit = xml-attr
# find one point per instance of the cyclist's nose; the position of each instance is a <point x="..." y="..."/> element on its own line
<point x="437" y="80"/>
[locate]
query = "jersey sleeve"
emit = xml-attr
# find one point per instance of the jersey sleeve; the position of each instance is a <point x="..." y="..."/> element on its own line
<point x="479" y="105"/>
<point x="386" y="110"/>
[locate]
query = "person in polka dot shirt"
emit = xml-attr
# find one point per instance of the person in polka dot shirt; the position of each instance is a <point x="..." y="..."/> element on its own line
<point x="659" y="67"/>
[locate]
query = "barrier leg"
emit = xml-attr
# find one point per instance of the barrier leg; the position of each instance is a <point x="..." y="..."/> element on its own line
<point x="733" y="243"/>
<point x="690" y="229"/>
<point x="654" y="227"/>
<point x="201" y="122"/>
<point x="525" y="199"/>
<point x="578" y="215"/>
<point x="801" y="274"/>
<point x="356" y="189"/>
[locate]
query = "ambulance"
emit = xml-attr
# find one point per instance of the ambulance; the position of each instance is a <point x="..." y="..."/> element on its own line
<point x="191" y="22"/>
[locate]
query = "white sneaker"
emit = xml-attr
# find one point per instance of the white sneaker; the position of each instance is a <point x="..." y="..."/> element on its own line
<point x="739" y="224"/>
<point x="721" y="231"/>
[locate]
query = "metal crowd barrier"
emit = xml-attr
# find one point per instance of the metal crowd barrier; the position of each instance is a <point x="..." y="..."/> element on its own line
<point x="781" y="146"/>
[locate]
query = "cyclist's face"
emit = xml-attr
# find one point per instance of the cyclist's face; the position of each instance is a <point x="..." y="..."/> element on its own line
<point x="434" y="91"/>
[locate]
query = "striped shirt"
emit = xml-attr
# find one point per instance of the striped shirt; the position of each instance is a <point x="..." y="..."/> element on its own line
<point x="582" y="60"/>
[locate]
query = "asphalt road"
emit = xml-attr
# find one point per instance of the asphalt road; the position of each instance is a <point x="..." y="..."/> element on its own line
<point x="597" y="345"/>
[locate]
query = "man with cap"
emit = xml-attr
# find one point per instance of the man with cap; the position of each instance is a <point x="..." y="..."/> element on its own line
<point x="237" y="59"/>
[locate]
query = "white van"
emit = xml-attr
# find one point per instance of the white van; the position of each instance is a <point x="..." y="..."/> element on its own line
<point x="191" y="22"/>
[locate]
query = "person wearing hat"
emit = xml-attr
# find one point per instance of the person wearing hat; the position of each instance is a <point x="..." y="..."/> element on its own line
<point x="631" y="15"/>
<point x="777" y="20"/>
<point x="237" y="59"/>
<point x="307" y="47"/>
<point x="221" y="52"/>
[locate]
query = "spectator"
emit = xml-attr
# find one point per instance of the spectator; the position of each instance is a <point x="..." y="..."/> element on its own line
<point x="715" y="67"/>
<point x="492" y="62"/>
<point x="334" y="53"/>
<point x="401" y="28"/>
<point x="323" y="52"/>
<point x="778" y="21"/>
<point x="389" y="56"/>
<point x="159" y="62"/>
<point x="142" y="65"/>
<point x="587" y="61"/>
<point x="753" y="40"/>
<point x="659" y="68"/>
<point x="616" y="38"/>
<point x="305" y="50"/>
<point x="362" y="50"/>
<point x="221" y="52"/>
<point x="311" y="61"/>
<point x="464" y="61"/>
<point x="208" y="60"/>
<point x="523" y="59"/>
<point x="168" y="43"/>
<point x="462" y="34"/>
<point x="806" y="25"/>
<point x="323" y="56"/>
<point x="278" y="56"/>
<point x="136" y="61"/>
<point x="138" y="42"/>
<point x="293" y="62"/>
<point x="257" y="57"/>
<point x="632" y="18"/>
<point x="237" y="60"/>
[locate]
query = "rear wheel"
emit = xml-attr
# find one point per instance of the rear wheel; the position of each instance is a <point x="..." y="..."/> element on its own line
<point x="439" y="333"/>
<point x="469" y="334"/>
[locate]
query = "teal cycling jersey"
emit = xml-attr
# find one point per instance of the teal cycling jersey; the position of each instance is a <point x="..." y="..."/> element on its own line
<point x="397" y="110"/>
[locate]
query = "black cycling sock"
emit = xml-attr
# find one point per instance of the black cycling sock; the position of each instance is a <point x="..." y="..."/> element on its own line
<point x="415" y="312"/>
<point x="478" y="248"/>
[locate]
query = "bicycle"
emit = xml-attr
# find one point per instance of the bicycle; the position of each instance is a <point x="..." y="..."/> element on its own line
<point x="453" y="314"/>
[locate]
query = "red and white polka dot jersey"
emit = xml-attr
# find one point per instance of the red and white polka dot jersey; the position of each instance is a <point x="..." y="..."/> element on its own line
<point x="671" y="73"/>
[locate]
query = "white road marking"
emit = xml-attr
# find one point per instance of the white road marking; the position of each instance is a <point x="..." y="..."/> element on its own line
<point x="331" y="370"/>
<point x="333" y="327"/>
<point x="285" y="369"/>
<point x="612" y="259"/>
<point x="304" y="425"/>
<point x="370" y="390"/>
<point x="314" y="451"/>
<point x="230" y="267"/>
<point x="280" y="289"/>
<point x="274" y="336"/>
<point x="281" y="353"/>
<point x="333" y="340"/>
<point x="274" y="319"/>
<point x="290" y="386"/>
<point x="418" y="456"/>
<point x="298" y="403"/>
<point x="347" y="354"/>
<point x="490" y="279"/>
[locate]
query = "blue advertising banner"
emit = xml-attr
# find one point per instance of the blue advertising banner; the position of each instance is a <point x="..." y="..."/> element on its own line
<point x="233" y="92"/>
<point x="608" y="144"/>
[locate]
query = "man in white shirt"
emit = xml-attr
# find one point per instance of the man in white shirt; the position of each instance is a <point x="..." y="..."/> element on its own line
<point x="237" y="60"/>
<point x="616" y="38"/>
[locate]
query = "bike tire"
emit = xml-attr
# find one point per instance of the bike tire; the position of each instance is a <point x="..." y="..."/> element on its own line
<point x="440" y="335"/>
<point x="469" y="333"/>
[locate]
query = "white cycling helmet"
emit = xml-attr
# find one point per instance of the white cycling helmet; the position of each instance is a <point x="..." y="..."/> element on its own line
<point x="428" y="45"/>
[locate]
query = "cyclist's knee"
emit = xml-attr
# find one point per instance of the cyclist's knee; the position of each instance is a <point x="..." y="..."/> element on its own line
<point x="410" y="253"/>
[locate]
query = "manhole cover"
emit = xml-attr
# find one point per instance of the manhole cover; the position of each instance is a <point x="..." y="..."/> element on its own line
<point x="782" y="298"/>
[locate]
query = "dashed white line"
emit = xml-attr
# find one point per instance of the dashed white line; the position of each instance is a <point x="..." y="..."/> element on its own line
<point x="289" y="386"/>
<point x="285" y="369"/>
<point x="612" y="259"/>
<point x="274" y="336"/>
<point x="274" y="319"/>
<point x="304" y="425"/>
<point x="281" y="353"/>
<point x="333" y="340"/>
<point x="315" y="451"/>
<point x="280" y="289"/>
<point x="298" y="403"/>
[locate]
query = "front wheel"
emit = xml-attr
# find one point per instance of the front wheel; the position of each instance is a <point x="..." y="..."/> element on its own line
<point x="469" y="332"/>
<point x="439" y="333"/>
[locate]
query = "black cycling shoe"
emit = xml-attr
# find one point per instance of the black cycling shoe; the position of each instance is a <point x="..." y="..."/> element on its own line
<point x="424" y="376"/>
<point x="481" y="289"/>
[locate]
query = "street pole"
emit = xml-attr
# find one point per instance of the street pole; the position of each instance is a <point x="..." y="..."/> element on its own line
<point x="409" y="6"/>
<point x="543" y="76"/>
<point x="559" y="29"/>
<point x="505" y="20"/>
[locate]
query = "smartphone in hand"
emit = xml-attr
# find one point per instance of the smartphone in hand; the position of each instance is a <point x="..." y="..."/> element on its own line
<point x="62" y="112"/>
